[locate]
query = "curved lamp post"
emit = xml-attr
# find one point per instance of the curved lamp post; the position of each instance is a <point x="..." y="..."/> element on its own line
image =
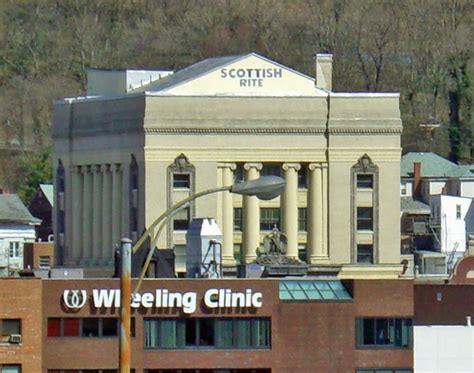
<point x="264" y="188"/>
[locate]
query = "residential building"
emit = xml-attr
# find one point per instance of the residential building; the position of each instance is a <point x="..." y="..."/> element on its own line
<point x="122" y="158"/>
<point x="17" y="226"/>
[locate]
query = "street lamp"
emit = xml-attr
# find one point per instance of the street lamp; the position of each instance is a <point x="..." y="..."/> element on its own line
<point x="264" y="188"/>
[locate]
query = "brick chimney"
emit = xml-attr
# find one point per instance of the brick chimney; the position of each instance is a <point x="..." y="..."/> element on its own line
<point x="324" y="70"/>
<point x="416" y="179"/>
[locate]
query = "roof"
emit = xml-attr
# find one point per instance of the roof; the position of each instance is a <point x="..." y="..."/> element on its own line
<point x="48" y="192"/>
<point x="433" y="165"/>
<point x="201" y="68"/>
<point x="411" y="206"/>
<point x="12" y="210"/>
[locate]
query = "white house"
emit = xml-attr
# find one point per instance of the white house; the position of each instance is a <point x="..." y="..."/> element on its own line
<point x="17" y="226"/>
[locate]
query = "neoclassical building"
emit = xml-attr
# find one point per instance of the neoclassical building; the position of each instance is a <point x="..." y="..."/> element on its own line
<point x="143" y="140"/>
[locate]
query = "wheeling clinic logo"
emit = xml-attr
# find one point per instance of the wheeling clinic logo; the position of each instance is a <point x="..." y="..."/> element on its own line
<point x="74" y="299"/>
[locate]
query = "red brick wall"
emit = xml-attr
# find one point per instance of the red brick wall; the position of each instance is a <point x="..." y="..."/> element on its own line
<point x="21" y="299"/>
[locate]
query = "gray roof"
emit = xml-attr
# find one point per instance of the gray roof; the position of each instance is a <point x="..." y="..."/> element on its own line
<point x="411" y="206"/>
<point x="433" y="165"/>
<point x="200" y="68"/>
<point x="48" y="192"/>
<point x="12" y="210"/>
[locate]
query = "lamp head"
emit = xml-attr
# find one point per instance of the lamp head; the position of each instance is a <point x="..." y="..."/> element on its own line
<point x="264" y="188"/>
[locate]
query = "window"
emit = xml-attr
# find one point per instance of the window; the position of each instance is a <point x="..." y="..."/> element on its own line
<point x="365" y="254"/>
<point x="458" y="211"/>
<point x="10" y="368"/>
<point x="181" y="220"/>
<point x="365" y="218"/>
<point x="44" y="261"/>
<point x="292" y="290"/>
<point x="85" y="327"/>
<point x="207" y="370"/>
<point x="219" y="333"/>
<point x="302" y="177"/>
<point x="14" y="249"/>
<point x="238" y="219"/>
<point x="302" y="225"/>
<point x="9" y="327"/>
<point x="384" y="371"/>
<point x="271" y="170"/>
<point x="180" y="256"/>
<point x="181" y="181"/>
<point x="383" y="332"/>
<point x="403" y="189"/>
<point x="365" y="181"/>
<point x="269" y="218"/>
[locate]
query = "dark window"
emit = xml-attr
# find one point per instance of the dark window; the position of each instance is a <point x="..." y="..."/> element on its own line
<point x="90" y="327"/>
<point x="365" y="218"/>
<point x="271" y="170"/>
<point x="109" y="327"/>
<point x="384" y="332"/>
<point x="239" y="173"/>
<point x="269" y="218"/>
<point x="365" y="181"/>
<point x="302" y="225"/>
<point x="223" y="333"/>
<point x="71" y="327"/>
<point x="238" y="219"/>
<point x="302" y="177"/>
<point x="9" y="327"/>
<point x="383" y="370"/>
<point x="54" y="327"/>
<point x="365" y="254"/>
<point x="181" y="220"/>
<point x="181" y="181"/>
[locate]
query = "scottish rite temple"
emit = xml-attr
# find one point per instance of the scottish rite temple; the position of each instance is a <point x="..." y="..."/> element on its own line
<point x="141" y="141"/>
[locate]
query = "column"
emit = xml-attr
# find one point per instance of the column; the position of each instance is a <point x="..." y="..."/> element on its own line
<point x="315" y="215"/>
<point x="116" y="203"/>
<point x="107" y="245"/>
<point x="97" y="213"/>
<point x="251" y="211"/>
<point x="227" y="216"/>
<point x="325" y="211"/>
<point x="76" y="211"/>
<point x="290" y="208"/>
<point x="87" y="214"/>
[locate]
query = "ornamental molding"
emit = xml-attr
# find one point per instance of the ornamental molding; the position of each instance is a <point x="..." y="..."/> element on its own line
<point x="234" y="131"/>
<point x="350" y="131"/>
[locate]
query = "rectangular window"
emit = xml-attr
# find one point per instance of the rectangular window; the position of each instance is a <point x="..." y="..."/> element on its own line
<point x="238" y="219"/>
<point x="302" y="177"/>
<point x="271" y="170"/>
<point x="181" y="181"/>
<point x="181" y="220"/>
<point x="44" y="261"/>
<point x="302" y="225"/>
<point x="458" y="211"/>
<point x="365" y="218"/>
<point x="384" y="332"/>
<point x="365" y="181"/>
<point x="384" y="370"/>
<point x="218" y="333"/>
<point x="91" y="327"/>
<point x="14" y="249"/>
<point x="10" y="368"/>
<point x="269" y="218"/>
<point x="365" y="254"/>
<point x="9" y="327"/>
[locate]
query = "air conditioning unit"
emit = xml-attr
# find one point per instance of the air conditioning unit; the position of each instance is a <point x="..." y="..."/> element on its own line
<point x="15" y="338"/>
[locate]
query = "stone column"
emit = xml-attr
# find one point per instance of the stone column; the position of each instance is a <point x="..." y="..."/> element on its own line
<point x="227" y="216"/>
<point x="107" y="246"/>
<point x="116" y="203"/>
<point x="315" y="215"/>
<point x="325" y="211"/>
<point x="76" y="211"/>
<point x="97" y="213"/>
<point x="251" y="211"/>
<point x="87" y="214"/>
<point x="290" y="207"/>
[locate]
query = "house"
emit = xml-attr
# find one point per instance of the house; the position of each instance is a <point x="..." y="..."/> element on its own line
<point x="17" y="226"/>
<point x="41" y="206"/>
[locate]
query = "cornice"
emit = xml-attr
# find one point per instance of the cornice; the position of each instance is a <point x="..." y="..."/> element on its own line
<point x="233" y="131"/>
<point x="357" y="131"/>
